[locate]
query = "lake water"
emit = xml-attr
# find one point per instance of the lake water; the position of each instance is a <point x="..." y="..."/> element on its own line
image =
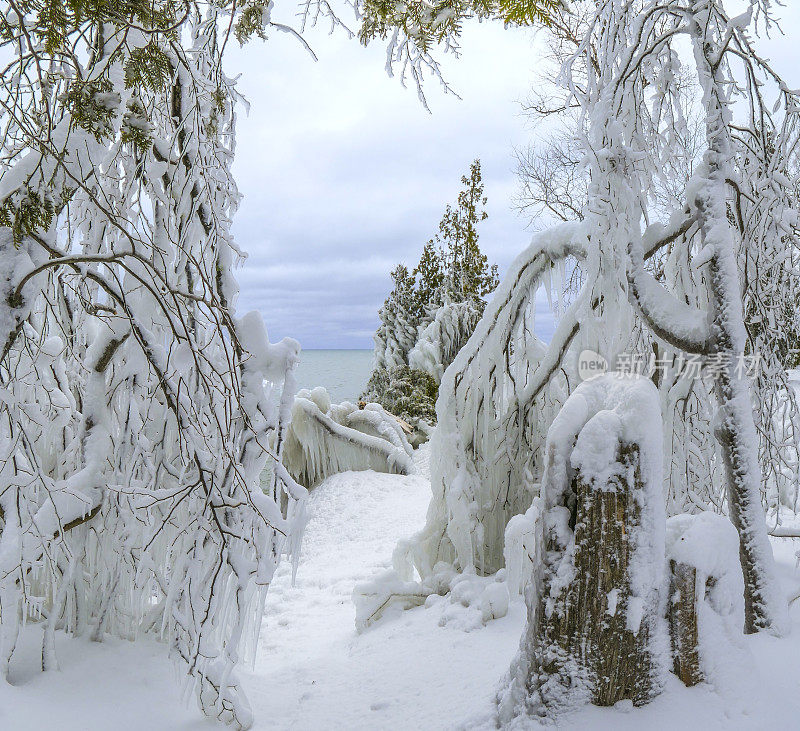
<point x="344" y="373"/>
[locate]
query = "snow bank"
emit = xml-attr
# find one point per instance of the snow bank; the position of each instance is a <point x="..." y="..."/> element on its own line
<point x="465" y="601"/>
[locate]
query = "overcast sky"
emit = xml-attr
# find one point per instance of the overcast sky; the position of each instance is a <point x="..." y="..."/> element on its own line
<point x="344" y="174"/>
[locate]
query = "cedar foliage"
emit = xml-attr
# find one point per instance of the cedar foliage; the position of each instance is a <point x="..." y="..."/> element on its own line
<point x="430" y="24"/>
<point x="56" y="29"/>
<point x="452" y="268"/>
<point x="405" y="392"/>
<point x="466" y="273"/>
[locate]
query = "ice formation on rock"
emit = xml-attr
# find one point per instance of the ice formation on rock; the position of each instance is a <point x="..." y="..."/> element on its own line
<point x="324" y="439"/>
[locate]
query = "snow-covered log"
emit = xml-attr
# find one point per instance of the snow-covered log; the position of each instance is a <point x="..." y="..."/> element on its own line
<point x="325" y="439"/>
<point x="469" y="601"/>
<point x="373" y="420"/>
<point x="596" y="631"/>
<point x="385" y="593"/>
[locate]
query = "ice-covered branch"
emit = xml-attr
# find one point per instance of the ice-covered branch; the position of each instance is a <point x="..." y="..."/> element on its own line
<point x="681" y="325"/>
<point x="487" y="445"/>
<point x="325" y="440"/>
<point x="142" y="423"/>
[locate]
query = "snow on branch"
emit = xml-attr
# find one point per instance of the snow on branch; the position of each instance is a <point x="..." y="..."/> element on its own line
<point x="681" y="325"/>
<point x="441" y="340"/>
<point x="488" y="442"/>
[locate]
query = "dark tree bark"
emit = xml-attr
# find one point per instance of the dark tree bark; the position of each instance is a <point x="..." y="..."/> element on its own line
<point x="589" y="628"/>
<point x="683" y="626"/>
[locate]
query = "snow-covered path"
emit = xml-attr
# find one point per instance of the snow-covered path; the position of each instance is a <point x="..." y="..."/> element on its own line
<point x="415" y="671"/>
<point x="314" y="672"/>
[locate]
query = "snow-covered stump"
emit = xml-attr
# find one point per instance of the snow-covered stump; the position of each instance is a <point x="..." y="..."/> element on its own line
<point x="683" y="623"/>
<point x="596" y="631"/>
<point x="706" y="599"/>
<point x="595" y="622"/>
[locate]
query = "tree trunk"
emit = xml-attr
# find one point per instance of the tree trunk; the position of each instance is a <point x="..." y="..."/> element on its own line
<point x="735" y="431"/>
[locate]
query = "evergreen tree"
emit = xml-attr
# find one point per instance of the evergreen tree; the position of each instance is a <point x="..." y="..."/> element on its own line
<point x="452" y="270"/>
<point x="430" y="277"/>
<point x="468" y="274"/>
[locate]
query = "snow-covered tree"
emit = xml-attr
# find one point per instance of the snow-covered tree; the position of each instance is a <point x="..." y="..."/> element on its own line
<point x="142" y="422"/>
<point x="657" y="268"/>
<point x="432" y="311"/>
<point x="440" y="340"/>
<point x="397" y="332"/>
<point x="429" y="280"/>
<point x="497" y="397"/>
<point x="467" y="274"/>
<point x="720" y="44"/>
<point x="409" y="393"/>
<point x="553" y="186"/>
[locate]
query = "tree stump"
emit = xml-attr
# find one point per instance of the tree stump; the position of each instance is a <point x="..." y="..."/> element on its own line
<point x="683" y="623"/>
<point x="706" y="600"/>
<point x="596" y="628"/>
<point x="594" y="631"/>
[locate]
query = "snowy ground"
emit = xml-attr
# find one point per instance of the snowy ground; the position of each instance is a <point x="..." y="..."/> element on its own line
<point x="423" y="670"/>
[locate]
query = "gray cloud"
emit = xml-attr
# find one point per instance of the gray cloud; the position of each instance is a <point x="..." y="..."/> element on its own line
<point x="344" y="173"/>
